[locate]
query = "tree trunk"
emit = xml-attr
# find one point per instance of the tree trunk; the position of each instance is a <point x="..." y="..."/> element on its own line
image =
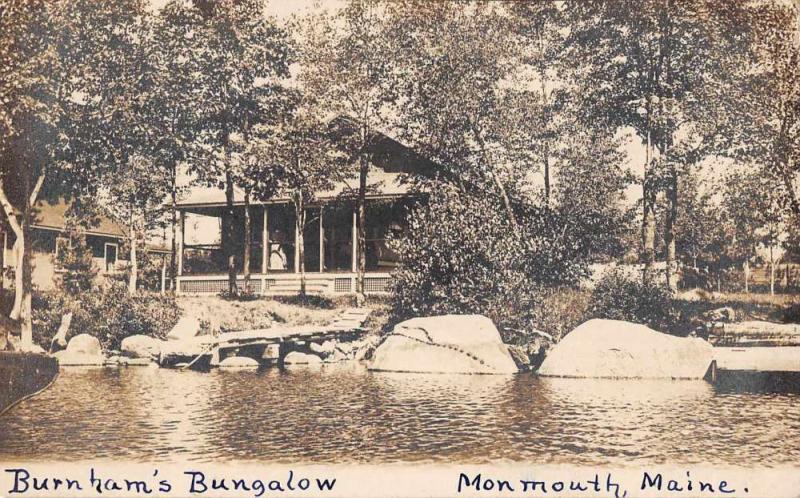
<point x="133" y="277"/>
<point x="228" y="237"/>
<point x="300" y="225"/>
<point x="746" y="268"/>
<point x="669" y="232"/>
<point x="174" y="221"/>
<point x="361" y="231"/>
<point x="247" y="242"/>
<point x="545" y="117"/>
<point x="648" y="214"/>
<point x="22" y="310"/>
<point x="2" y="261"/>
<point x="771" y="272"/>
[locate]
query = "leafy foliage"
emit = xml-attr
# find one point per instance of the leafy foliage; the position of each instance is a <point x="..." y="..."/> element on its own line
<point x="109" y="314"/>
<point x="617" y="296"/>
<point x="460" y="256"/>
<point x="77" y="269"/>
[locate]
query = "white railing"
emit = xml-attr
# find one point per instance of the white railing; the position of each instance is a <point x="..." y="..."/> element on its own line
<point x="287" y="283"/>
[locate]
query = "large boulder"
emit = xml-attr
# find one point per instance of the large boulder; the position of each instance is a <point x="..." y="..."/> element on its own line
<point x="82" y="350"/>
<point x="468" y="344"/>
<point x="86" y="344"/>
<point x="141" y="346"/>
<point x="617" y="349"/>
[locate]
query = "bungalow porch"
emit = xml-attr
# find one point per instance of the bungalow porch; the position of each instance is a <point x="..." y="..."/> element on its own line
<point x="330" y="245"/>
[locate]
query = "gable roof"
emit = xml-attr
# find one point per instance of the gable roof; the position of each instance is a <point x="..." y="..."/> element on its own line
<point x="393" y="162"/>
<point x="53" y="216"/>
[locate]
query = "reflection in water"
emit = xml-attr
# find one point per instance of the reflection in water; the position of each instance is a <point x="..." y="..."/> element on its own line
<point x="345" y="414"/>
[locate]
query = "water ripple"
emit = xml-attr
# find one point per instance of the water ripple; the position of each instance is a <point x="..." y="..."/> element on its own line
<point x="349" y="415"/>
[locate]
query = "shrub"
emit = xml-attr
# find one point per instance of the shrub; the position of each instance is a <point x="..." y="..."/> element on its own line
<point x="75" y="260"/>
<point x="108" y="313"/>
<point x="461" y="255"/>
<point x="618" y="296"/>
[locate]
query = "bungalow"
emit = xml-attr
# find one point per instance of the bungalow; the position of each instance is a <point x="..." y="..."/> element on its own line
<point x="330" y="236"/>
<point x="48" y="235"/>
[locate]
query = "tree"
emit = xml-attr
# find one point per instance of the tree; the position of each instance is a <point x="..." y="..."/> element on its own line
<point x="137" y="189"/>
<point x="347" y="62"/>
<point x="539" y="25"/>
<point x="765" y="123"/>
<point x="34" y="85"/>
<point x="752" y="203"/>
<point x="657" y="66"/>
<point x="300" y="158"/>
<point x="451" y="59"/>
<point x="120" y="79"/>
<point x="170" y="105"/>
<point x="241" y="59"/>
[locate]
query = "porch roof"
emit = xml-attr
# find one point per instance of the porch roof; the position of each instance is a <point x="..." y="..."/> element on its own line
<point x="380" y="185"/>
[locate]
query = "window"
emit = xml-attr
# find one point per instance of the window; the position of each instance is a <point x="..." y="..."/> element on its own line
<point x="110" y="257"/>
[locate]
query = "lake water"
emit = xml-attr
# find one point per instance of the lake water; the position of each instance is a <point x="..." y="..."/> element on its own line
<point x="345" y="414"/>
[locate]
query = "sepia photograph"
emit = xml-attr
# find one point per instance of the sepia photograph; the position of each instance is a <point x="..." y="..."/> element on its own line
<point x="400" y="248"/>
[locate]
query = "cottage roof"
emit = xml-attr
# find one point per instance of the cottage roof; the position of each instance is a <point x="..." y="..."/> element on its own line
<point x="53" y="216"/>
<point x="393" y="164"/>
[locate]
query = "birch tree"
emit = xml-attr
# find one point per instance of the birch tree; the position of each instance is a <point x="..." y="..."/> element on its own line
<point x="347" y="63"/>
<point x="32" y="92"/>
<point x="241" y="59"/>
<point x="299" y="158"/>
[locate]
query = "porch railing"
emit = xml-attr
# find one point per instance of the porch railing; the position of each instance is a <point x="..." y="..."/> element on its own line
<point x="287" y="283"/>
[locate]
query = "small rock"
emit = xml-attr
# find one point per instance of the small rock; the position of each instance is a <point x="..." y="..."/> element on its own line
<point x="183" y="351"/>
<point x="113" y="361"/>
<point x="298" y="358"/>
<point x="346" y="347"/>
<point x="135" y="362"/>
<point x="335" y="357"/>
<point x="724" y="314"/>
<point x="520" y="357"/>
<point x="271" y="352"/>
<point x="239" y="362"/>
<point x="141" y="346"/>
<point x="365" y="347"/>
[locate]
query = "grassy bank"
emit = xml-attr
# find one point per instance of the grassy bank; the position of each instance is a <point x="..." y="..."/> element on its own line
<point x="223" y="314"/>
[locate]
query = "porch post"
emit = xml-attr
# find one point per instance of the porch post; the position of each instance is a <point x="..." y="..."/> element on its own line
<point x="297" y="235"/>
<point x="265" y="242"/>
<point x="321" y="241"/>
<point x="163" y="275"/>
<point x="181" y="242"/>
<point x="354" y="251"/>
